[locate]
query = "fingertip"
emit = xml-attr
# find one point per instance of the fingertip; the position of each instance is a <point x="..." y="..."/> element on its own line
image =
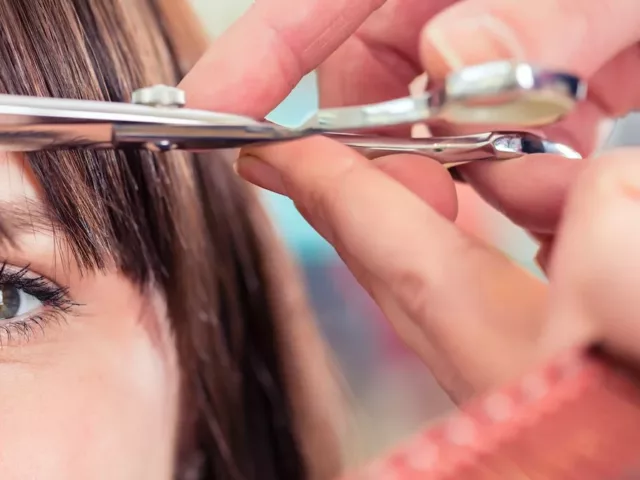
<point x="531" y="190"/>
<point x="433" y="61"/>
<point x="260" y="173"/>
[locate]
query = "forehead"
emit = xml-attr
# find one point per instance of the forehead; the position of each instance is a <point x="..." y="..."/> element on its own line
<point x="21" y="205"/>
<point x="16" y="179"/>
<point x="26" y="226"/>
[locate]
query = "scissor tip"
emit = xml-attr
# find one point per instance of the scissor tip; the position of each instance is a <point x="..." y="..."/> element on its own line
<point x="561" y="149"/>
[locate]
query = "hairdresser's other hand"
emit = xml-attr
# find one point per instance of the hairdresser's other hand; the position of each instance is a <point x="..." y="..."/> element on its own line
<point x="475" y="318"/>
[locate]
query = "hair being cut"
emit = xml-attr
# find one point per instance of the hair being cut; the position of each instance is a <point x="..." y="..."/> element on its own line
<point x="178" y="223"/>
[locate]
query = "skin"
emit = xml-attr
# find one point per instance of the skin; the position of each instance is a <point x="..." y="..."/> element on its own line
<point x="100" y="376"/>
<point x="461" y="305"/>
<point x="104" y="375"/>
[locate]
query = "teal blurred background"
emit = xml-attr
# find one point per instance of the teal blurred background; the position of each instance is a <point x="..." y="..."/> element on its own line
<point x="217" y="15"/>
<point x="296" y="232"/>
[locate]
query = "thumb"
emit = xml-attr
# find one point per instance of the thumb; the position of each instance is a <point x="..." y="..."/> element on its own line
<point x="595" y="268"/>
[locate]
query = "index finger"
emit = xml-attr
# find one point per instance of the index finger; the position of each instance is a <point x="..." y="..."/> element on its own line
<point x="254" y="65"/>
<point x="429" y="277"/>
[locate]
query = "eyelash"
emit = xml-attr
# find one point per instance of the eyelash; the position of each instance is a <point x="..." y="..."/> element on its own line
<point x="55" y="303"/>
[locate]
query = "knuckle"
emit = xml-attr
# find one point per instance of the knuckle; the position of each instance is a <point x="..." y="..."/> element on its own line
<point x="413" y="289"/>
<point x="430" y="292"/>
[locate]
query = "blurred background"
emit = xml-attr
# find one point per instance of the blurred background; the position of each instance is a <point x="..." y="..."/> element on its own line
<point x="392" y="394"/>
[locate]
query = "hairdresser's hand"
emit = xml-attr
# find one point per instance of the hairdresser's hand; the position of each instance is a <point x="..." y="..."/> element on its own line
<point x="456" y="318"/>
<point x="474" y="317"/>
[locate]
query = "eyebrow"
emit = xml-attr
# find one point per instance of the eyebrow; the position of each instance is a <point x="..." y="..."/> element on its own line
<point x="24" y="216"/>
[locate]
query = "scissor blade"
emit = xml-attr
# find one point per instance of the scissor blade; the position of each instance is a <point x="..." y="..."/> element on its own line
<point x="26" y="110"/>
<point x="28" y="138"/>
<point x="176" y="137"/>
<point x="139" y="136"/>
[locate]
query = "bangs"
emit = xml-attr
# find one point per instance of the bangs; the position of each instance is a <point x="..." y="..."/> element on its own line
<point x="112" y="208"/>
<point x="180" y="222"/>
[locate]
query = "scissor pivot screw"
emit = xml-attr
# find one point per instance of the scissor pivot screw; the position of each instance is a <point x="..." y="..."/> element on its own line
<point x="159" y="96"/>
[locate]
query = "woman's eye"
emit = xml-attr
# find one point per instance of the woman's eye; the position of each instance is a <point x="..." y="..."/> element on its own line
<point x="15" y="302"/>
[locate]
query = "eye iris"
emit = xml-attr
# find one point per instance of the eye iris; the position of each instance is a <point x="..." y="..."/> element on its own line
<point x="9" y="301"/>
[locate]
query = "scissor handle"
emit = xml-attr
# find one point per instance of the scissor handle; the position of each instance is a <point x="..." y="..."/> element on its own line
<point x="494" y="93"/>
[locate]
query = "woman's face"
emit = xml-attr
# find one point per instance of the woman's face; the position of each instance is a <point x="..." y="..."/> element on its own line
<point x="88" y="377"/>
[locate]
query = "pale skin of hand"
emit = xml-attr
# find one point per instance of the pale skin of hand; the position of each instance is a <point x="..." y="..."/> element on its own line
<point x="474" y="317"/>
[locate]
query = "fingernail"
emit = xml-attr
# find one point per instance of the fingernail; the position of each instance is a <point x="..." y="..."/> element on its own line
<point x="451" y="42"/>
<point x="259" y="173"/>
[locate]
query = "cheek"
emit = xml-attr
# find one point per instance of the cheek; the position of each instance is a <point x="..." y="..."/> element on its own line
<point x="100" y="403"/>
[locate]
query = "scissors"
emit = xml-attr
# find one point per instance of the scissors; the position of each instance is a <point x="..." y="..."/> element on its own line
<point x="501" y="92"/>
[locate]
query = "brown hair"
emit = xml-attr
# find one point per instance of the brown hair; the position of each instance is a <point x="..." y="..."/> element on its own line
<point x="183" y="224"/>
